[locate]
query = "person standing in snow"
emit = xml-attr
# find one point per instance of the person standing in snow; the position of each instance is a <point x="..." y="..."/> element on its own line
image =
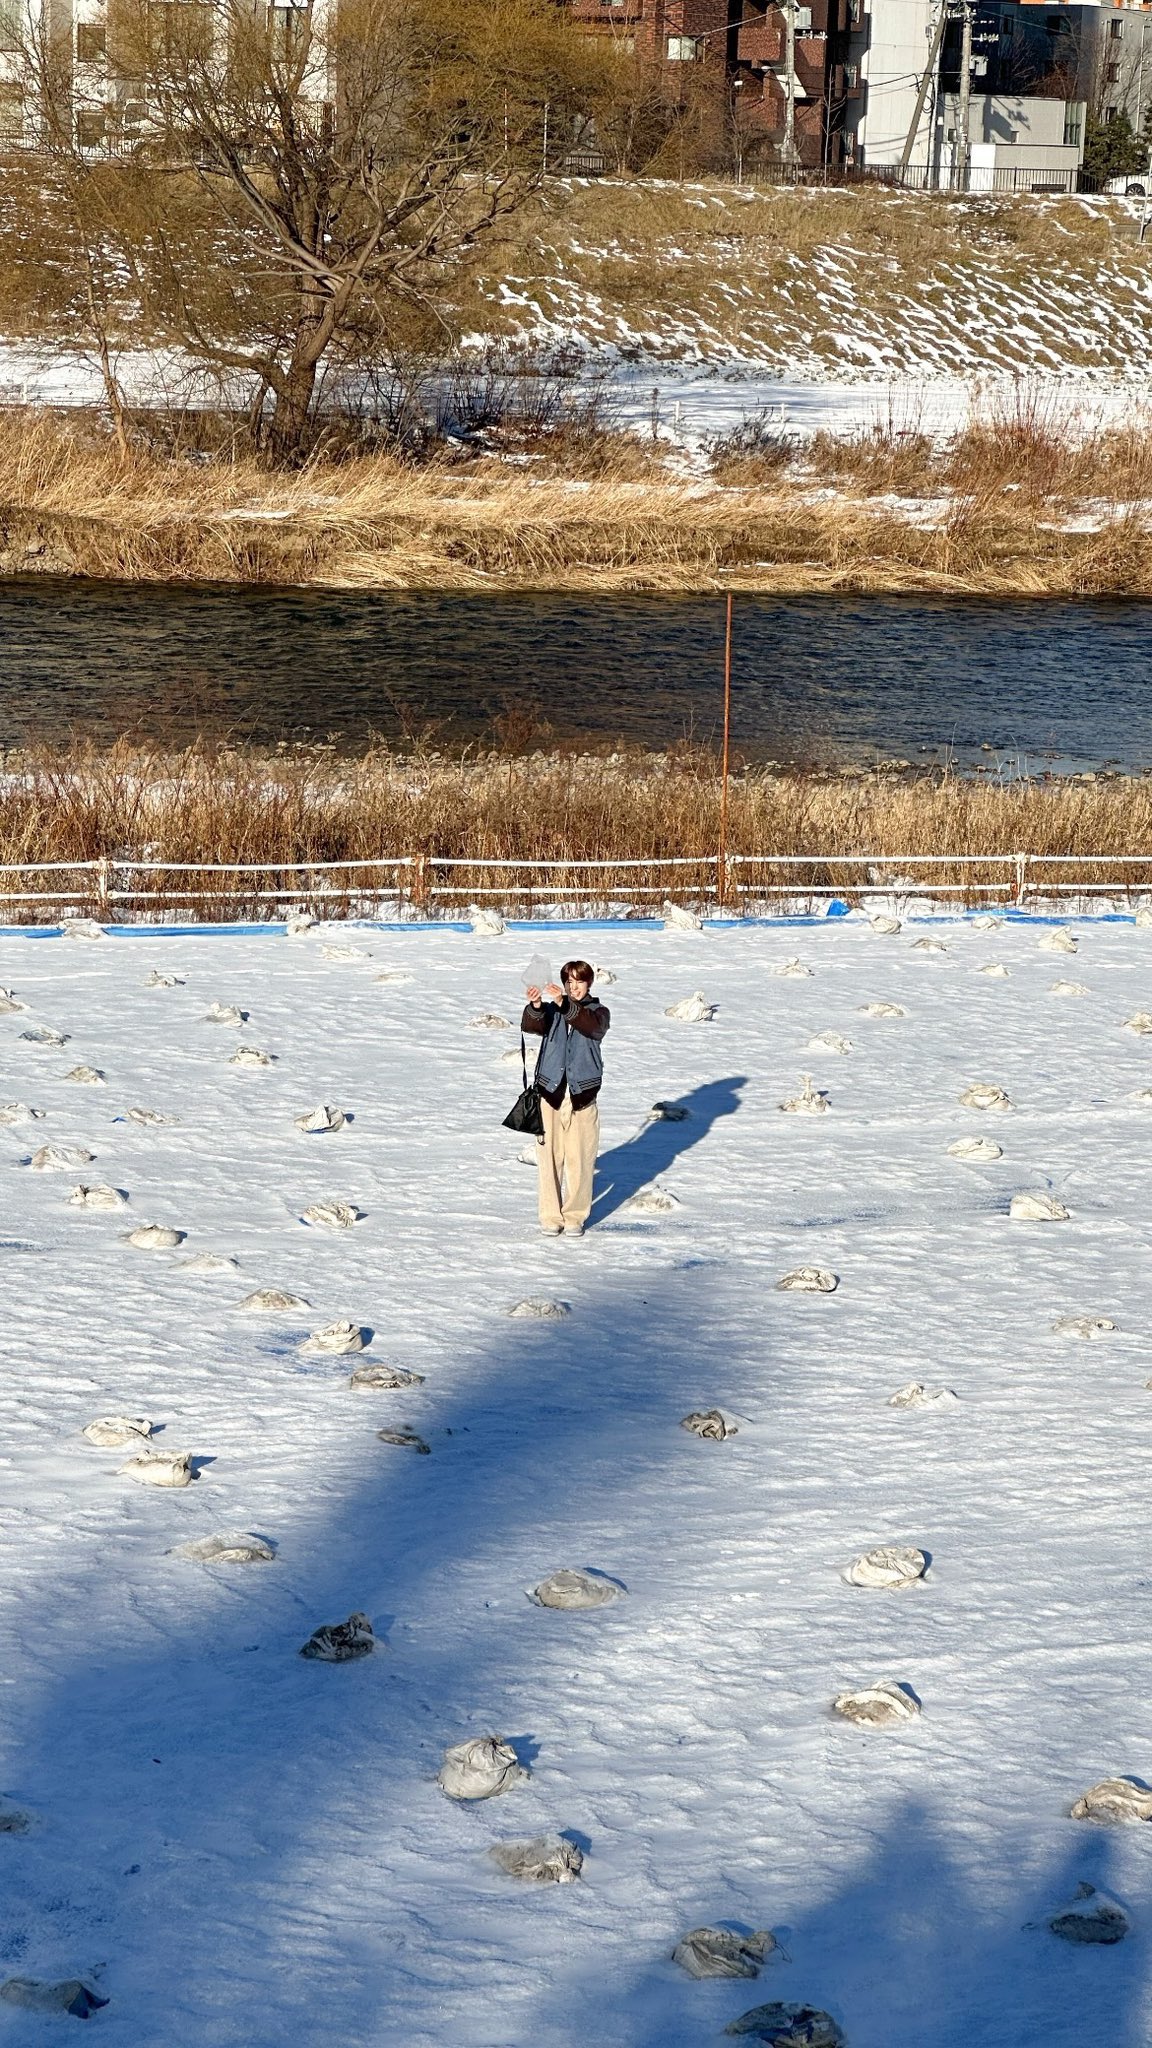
<point x="572" y="1023"/>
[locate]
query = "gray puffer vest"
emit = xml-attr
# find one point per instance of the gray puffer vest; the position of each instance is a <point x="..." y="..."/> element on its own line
<point x="568" y="1057"/>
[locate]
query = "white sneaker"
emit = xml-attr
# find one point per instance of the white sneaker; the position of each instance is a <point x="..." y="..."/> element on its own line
<point x="550" y="1229"/>
<point x="573" y="1230"/>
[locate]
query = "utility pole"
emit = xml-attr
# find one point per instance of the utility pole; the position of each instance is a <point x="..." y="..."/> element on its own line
<point x="925" y="86"/>
<point x="961" y="153"/>
<point x="789" y="10"/>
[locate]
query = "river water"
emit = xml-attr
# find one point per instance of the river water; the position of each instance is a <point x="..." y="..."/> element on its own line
<point x="828" y="679"/>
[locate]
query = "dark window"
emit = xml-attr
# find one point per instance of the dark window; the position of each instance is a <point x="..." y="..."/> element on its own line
<point x="1111" y="73"/>
<point x="1116" y="31"/>
<point x="90" y="127"/>
<point x="91" y="41"/>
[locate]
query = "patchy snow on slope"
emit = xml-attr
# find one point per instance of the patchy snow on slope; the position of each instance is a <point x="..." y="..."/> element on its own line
<point x="241" y="1847"/>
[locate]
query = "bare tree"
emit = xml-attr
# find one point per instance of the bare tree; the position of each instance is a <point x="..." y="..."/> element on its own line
<point x="298" y="186"/>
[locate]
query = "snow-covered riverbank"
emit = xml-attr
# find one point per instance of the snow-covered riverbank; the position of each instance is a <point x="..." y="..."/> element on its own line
<point x="240" y="1848"/>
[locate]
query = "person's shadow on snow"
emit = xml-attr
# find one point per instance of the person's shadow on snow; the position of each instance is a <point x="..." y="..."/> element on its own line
<point x="627" y="1168"/>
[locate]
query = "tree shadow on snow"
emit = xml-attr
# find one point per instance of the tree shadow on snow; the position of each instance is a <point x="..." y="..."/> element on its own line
<point x="627" y="1168"/>
<point x="906" y="1952"/>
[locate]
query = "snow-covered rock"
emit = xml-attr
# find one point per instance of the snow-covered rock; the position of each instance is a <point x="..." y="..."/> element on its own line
<point x="1115" y="1800"/>
<point x="917" y="1395"/>
<point x="574" y="1590"/>
<point x="1090" y="1918"/>
<point x="809" y="1280"/>
<point x="888" y="1567"/>
<point x="709" y="1423"/>
<point x="546" y="1859"/>
<point x="883" y="1705"/>
<point x="1037" y="1207"/>
<point x="159" y="1468"/>
<point x="340" y="1642"/>
<point x="692" y="1009"/>
<point x="716" y="1952"/>
<point x="481" y="1768"/>
<point x="985" y="1095"/>
<point x="978" y="1151"/>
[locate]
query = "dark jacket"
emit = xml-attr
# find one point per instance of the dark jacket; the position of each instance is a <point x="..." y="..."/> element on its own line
<point x="570" y="1055"/>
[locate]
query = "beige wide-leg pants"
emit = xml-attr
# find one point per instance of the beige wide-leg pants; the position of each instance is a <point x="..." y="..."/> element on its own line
<point x="565" y="1163"/>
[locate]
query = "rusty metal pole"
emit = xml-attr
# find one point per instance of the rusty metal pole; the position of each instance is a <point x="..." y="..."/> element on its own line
<point x="722" y="856"/>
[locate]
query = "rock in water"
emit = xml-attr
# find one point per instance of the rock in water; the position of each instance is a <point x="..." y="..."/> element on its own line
<point x="788" y="2026"/>
<point x="574" y="1590"/>
<point x="159" y="1468"/>
<point x="877" y="1706"/>
<point x="809" y="1280"/>
<point x="333" y="1215"/>
<point x="112" y="1432"/>
<point x="917" y="1395"/>
<point x="336" y="1339"/>
<point x="888" y="1567"/>
<point x="1037" y="1208"/>
<point x="981" y="1151"/>
<point x="322" y="1118"/>
<point x="810" y="1101"/>
<point x="155" y="1237"/>
<point x="384" y="1377"/>
<point x="480" y="1769"/>
<point x="239" y="1548"/>
<point x="535" y="1310"/>
<point x="692" y="1010"/>
<point x="681" y="920"/>
<point x="547" y="1859"/>
<point x="1114" y="1800"/>
<point x="272" y="1301"/>
<point x="708" y="1423"/>
<point x="405" y="1440"/>
<point x="714" y="1952"/>
<point x="340" y="1641"/>
<point x="71" y="1996"/>
<point x="1090" y="1918"/>
<point x="985" y="1095"/>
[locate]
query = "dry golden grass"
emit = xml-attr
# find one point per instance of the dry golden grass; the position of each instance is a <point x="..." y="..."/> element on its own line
<point x="217" y="805"/>
<point x="69" y="504"/>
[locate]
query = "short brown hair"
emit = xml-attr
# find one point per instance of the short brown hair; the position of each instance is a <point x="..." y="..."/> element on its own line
<point x="579" y="970"/>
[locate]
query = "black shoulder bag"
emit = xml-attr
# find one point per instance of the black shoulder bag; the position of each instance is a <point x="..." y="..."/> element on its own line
<point x="524" y="1114"/>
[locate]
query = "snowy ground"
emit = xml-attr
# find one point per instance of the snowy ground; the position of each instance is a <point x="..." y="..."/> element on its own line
<point x="246" y="1849"/>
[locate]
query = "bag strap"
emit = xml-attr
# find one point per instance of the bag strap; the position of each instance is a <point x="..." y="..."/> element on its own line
<point x="523" y="1062"/>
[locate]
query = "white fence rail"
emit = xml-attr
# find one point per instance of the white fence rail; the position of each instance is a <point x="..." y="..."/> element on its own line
<point x="131" y="890"/>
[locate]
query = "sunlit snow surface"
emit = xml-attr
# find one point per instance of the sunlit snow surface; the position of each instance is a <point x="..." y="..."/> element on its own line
<point x="241" y="1847"/>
